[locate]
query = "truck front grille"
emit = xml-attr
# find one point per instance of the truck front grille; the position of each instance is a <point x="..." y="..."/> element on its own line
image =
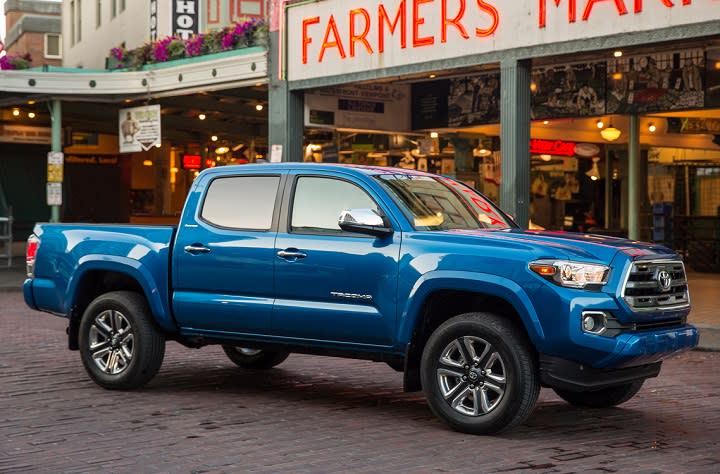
<point x="656" y="285"/>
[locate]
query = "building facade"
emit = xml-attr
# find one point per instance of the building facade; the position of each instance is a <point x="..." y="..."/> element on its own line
<point x="34" y="27"/>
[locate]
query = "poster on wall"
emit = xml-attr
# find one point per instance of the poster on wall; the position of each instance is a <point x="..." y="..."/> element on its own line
<point x="656" y="82"/>
<point x="368" y="107"/>
<point x="456" y="102"/>
<point x="568" y="90"/>
<point x="712" y="97"/>
<point x="139" y="128"/>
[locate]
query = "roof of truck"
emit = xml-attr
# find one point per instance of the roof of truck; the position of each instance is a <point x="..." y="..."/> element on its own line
<point x="367" y="170"/>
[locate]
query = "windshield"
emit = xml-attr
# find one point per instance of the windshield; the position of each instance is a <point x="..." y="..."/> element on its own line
<point x="437" y="203"/>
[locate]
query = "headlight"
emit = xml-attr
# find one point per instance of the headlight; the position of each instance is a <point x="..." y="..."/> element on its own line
<point x="571" y="274"/>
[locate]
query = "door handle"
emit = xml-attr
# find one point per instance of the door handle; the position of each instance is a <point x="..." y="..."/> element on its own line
<point x="291" y="254"/>
<point x="196" y="249"/>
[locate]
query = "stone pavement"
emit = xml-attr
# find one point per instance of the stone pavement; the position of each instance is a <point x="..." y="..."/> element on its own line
<point x="704" y="295"/>
<point x="320" y="415"/>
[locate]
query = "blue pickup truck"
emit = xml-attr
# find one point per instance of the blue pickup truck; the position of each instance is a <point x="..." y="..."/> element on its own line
<point x="403" y="267"/>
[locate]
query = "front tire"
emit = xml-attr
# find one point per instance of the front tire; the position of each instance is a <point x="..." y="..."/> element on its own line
<point x="119" y="344"/>
<point x="605" y="398"/>
<point x="255" y="359"/>
<point x="479" y="374"/>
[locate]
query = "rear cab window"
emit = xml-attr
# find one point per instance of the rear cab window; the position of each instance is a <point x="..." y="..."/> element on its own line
<point x="241" y="202"/>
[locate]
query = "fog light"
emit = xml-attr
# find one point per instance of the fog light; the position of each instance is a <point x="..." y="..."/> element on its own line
<point x="594" y="322"/>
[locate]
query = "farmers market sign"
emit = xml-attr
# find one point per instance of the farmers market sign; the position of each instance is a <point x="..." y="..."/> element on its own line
<point x="334" y="37"/>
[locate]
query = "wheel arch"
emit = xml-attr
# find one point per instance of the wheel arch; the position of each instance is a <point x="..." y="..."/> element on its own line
<point x="437" y="298"/>
<point x="96" y="277"/>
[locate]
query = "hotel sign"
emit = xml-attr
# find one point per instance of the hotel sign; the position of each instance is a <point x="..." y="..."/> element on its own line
<point x="333" y="37"/>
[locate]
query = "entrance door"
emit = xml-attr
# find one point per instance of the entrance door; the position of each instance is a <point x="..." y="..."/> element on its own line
<point x="332" y="285"/>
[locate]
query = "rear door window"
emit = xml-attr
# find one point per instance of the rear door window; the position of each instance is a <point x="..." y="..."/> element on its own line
<point x="241" y="202"/>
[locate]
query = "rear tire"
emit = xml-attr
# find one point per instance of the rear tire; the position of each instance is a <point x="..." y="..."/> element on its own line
<point x="607" y="397"/>
<point x="479" y="373"/>
<point x="119" y="344"/>
<point x="255" y="359"/>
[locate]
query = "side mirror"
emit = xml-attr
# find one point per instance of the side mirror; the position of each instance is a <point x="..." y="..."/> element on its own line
<point x="364" y="221"/>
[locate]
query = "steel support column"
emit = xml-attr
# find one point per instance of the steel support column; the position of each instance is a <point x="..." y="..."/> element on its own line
<point x="285" y="114"/>
<point x="634" y="178"/>
<point x="56" y="144"/>
<point x="515" y="139"/>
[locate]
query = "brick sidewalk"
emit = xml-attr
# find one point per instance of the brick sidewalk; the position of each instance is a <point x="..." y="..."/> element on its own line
<point x="320" y="415"/>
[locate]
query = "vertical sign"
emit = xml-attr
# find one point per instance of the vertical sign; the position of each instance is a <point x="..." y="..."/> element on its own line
<point x="139" y="128"/>
<point x="55" y="167"/>
<point x="185" y="18"/>
<point x="153" y="20"/>
<point x="54" y="194"/>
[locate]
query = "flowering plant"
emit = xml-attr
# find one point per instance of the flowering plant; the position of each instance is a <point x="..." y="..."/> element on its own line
<point x="239" y="35"/>
<point x="8" y="62"/>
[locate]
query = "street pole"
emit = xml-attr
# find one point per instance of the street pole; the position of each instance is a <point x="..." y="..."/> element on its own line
<point x="56" y="133"/>
<point x="634" y="178"/>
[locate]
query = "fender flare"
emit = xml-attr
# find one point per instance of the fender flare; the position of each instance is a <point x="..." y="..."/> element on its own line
<point x="132" y="268"/>
<point x="473" y="282"/>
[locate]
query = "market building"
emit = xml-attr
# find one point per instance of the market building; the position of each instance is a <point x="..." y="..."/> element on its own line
<point x="585" y="115"/>
<point x="33" y="27"/>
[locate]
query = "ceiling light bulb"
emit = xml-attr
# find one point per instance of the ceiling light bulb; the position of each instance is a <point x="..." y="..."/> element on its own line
<point x="433" y="134"/>
<point x="600" y="124"/>
<point x="16" y="112"/>
<point x="214" y="138"/>
<point x="610" y="133"/>
<point x="652" y="127"/>
<point x="432" y="76"/>
<point x="31" y="115"/>
<point x="201" y="116"/>
<point x="259" y="107"/>
<point x="545" y="157"/>
<point x="545" y="122"/>
<point x="617" y="54"/>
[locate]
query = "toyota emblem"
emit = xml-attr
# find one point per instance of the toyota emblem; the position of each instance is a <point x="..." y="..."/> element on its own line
<point x="664" y="280"/>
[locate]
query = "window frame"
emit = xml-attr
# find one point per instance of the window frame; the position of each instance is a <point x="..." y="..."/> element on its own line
<point x="98" y="14"/>
<point x="45" y="46"/>
<point x="276" y="206"/>
<point x="290" y="208"/>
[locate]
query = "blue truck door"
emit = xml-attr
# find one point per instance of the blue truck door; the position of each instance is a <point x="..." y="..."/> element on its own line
<point x="333" y="285"/>
<point x="224" y="255"/>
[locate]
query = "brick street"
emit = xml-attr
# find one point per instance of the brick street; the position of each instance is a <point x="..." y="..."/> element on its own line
<point x="315" y="414"/>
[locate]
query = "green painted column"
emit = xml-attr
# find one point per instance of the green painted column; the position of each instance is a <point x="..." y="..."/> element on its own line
<point x="286" y="114"/>
<point x="56" y="143"/>
<point x="515" y="139"/>
<point x="634" y="178"/>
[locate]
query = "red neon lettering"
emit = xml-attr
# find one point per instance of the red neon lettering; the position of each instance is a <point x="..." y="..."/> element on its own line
<point x="639" y="5"/>
<point x="454" y="21"/>
<point x="572" y="11"/>
<point x="619" y="5"/>
<point x="494" y="14"/>
<point x="362" y="36"/>
<point x="417" y="21"/>
<point x="384" y="19"/>
<point x="305" y="39"/>
<point x="332" y="27"/>
<point x="687" y="2"/>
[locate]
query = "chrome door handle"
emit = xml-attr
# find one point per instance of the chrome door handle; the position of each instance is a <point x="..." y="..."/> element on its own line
<point x="291" y="254"/>
<point x="196" y="249"/>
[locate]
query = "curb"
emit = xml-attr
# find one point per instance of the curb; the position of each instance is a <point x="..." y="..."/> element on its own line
<point x="709" y="337"/>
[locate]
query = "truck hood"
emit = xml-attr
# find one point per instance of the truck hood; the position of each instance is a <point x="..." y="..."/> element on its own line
<point x="556" y="244"/>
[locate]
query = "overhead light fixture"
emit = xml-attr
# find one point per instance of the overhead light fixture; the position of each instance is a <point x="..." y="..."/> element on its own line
<point x="617" y="54"/>
<point x="221" y="150"/>
<point x="594" y="172"/>
<point x="434" y="134"/>
<point x="158" y="145"/>
<point x="610" y="133"/>
<point x="533" y="86"/>
<point x="482" y="152"/>
<point x="617" y="76"/>
<point x="259" y="107"/>
<point x="16" y="112"/>
<point x="545" y="157"/>
<point x="147" y="163"/>
<point x="432" y="76"/>
<point x="545" y="122"/>
<point x="202" y="117"/>
<point x="31" y="115"/>
<point x="652" y="127"/>
<point x="214" y="138"/>
<point x="600" y="124"/>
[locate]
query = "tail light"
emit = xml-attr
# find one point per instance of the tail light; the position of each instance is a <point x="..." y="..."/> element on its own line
<point x="33" y="244"/>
